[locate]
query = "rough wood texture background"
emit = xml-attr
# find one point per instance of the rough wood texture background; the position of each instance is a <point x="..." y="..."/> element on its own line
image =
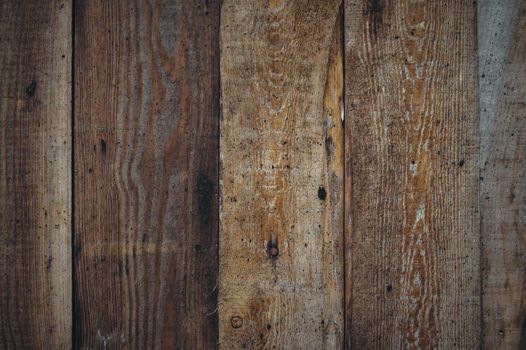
<point x="397" y="221"/>
<point x="502" y="70"/>
<point x="35" y="174"/>
<point x="281" y="247"/>
<point x="146" y="172"/>
<point x="412" y="164"/>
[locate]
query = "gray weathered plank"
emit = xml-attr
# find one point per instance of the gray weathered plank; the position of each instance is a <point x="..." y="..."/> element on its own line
<point x="502" y="70"/>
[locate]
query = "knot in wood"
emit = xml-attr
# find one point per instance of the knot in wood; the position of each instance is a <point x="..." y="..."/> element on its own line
<point x="236" y="322"/>
<point x="273" y="251"/>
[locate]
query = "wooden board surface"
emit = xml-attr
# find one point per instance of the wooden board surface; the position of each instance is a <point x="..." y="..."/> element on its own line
<point x="412" y="150"/>
<point x="281" y="266"/>
<point x="502" y="71"/>
<point x="400" y="224"/>
<point x="35" y="174"/>
<point x="146" y="173"/>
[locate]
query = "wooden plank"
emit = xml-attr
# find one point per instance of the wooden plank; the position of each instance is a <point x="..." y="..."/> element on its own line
<point x="146" y="173"/>
<point x="502" y="69"/>
<point x="281" y="230"/>
<point x="412" y="186"/>
<point x="35" y="174"/>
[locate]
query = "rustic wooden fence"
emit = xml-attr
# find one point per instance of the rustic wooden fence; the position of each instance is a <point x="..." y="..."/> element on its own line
<point x="277" y="174"/>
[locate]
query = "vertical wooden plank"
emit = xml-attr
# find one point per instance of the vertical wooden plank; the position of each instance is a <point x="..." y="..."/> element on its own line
<point x="146" y="172"/>
<point x="412" y="153"/>
<point x="281" y="238"/>
<point x="502" y="62"/>
<point x="35" y="174"/>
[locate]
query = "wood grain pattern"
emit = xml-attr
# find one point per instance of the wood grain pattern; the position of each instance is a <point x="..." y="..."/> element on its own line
<point x="146" y="172"/>
<point x="412" y="175"/>
<point x="281" y="242"/>
<point x="35" y="174"/>
<point x="502" y="64"/>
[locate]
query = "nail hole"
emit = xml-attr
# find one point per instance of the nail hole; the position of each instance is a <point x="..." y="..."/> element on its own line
<point x="322" y="193"/>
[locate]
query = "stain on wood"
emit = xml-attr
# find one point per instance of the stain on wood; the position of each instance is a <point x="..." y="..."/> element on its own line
<point x="281" y="249"/>
<point x="35" y="175"/>
<point x="374" y="14"/>
<point x="502" y="72"/>
<point x="412" y="220"/>
<point x="146" y="173"/>
<point x="31" y="88"/>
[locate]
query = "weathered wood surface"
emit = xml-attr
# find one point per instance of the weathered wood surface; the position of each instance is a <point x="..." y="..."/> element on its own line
<point x="281" y="243"/>
<point x="146" y="173"/>
<point x="412" y="237"/>
<point x="502" y="70"/>
<point x="35" y="174"/>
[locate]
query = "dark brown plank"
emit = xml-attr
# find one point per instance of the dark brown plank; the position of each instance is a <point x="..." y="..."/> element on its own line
<point x="281" y="227"/>
<point x="146" y="160"/>
<point x="412" y="175"/>
<point x="502" y="65"/>
<point x="35" y="174"/>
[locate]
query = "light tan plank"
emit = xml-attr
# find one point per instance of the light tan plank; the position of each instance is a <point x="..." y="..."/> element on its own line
<point x="281" y="238"/>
